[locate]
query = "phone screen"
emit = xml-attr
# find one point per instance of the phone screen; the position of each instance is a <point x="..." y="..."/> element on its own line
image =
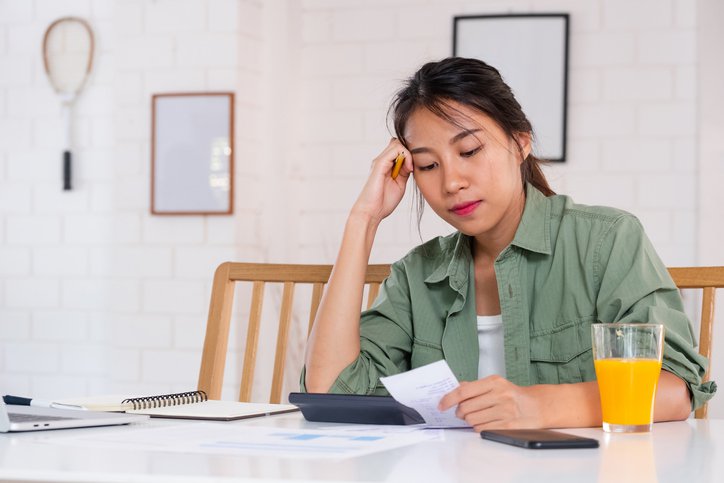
<point x="538" y="438"/>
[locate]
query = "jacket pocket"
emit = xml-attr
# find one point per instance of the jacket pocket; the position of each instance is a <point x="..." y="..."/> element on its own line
<point x="562" y="354"/>
<point x="424" y="352"/>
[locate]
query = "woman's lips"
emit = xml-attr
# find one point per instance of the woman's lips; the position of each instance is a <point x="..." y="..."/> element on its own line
<point x="464" y="209"/>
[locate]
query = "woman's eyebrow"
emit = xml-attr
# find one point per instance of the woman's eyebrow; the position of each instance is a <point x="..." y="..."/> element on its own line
<point x="462" y="134"/>
<point x="456" y="138"/>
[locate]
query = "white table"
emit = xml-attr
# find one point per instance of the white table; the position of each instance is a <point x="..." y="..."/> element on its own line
<point x="689" y="451"/>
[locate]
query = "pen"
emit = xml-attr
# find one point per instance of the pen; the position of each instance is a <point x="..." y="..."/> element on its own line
<point x="26" y="401"/>
<point x="398" y="165"/>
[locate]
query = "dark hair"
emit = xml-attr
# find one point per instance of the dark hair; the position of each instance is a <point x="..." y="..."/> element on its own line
<point x="473" y="83"/>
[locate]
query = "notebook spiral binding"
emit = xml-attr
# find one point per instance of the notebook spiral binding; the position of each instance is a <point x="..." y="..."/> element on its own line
<point x="165" y="400"/>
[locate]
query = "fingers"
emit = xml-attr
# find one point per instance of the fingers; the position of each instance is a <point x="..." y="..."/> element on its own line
<point x="501" y="416"/>
<point x="451" y="399"/>
<point x="483" y="411"/>
<point x="467" y="390"/>
<point x="408" y="163"/>
<point x="387" y="161"/>
<point x="492" y="402"/>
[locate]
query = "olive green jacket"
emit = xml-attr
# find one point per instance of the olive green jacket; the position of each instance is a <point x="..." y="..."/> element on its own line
<point x="568" y="266"/>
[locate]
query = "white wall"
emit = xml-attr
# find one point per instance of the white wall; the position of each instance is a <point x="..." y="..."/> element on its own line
<point x="97" y="295"/>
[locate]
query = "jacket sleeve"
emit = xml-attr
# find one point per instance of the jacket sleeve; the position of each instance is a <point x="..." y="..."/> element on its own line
<point x="385" y="340"/>
<point x="635" y="286"/>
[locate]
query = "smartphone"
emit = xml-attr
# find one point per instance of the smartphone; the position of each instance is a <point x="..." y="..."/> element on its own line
<point x="538" y="438"/>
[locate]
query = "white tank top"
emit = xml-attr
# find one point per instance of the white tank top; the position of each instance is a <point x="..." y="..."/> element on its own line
<point x="490" y="343"/>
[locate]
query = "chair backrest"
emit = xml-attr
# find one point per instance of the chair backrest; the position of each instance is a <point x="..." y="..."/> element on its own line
<point x="213" y="358"/>
<point x="708" y="279"/>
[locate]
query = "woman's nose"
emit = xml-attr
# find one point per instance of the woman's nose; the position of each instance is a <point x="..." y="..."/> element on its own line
<point x="454" y="178"/>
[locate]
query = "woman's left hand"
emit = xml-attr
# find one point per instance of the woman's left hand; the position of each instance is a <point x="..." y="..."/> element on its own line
<point x="495" y="403"/>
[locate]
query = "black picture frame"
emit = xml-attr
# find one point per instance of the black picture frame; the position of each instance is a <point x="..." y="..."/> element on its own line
<point x="536" y="71"/>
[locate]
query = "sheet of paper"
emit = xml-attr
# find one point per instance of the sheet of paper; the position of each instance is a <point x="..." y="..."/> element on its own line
<point x="249" y="440"/>
<point x="422" y="388"/>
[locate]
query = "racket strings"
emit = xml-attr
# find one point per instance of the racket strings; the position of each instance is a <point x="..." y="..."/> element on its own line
<point x="68" y="54"/>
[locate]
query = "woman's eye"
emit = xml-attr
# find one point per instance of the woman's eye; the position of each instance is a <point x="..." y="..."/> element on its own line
<point x="472" y="152"/>
<point x="427" y="167"/>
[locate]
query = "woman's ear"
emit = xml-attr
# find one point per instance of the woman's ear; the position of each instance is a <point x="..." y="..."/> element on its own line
<point x="523" y="139"/>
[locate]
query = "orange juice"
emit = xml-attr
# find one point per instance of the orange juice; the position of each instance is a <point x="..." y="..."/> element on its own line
<point x="627" y="388"/>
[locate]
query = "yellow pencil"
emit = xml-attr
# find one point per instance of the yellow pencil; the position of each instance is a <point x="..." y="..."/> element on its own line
<point x="398" y="165"/>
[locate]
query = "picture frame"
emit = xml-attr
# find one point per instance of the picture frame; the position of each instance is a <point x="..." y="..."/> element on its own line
<point x="531" y="53"/>
<point x="192" y="153"/>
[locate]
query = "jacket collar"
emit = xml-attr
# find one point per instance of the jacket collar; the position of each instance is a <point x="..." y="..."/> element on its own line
<point x="534" y="233"/>
<point x="455" y="264"/>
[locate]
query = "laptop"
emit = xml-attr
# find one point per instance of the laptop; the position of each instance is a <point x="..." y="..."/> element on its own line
<point x="31" y="418"/>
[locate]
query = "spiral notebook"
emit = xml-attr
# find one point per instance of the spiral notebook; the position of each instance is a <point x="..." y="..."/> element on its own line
<point x="183" y="405"/>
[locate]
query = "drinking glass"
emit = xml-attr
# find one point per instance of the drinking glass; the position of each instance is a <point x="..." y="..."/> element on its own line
<point x="627" y="358"/>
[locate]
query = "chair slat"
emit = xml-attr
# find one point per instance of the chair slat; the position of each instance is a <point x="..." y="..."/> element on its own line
<point x="252" y="341"/>
<point x="372" y="293"/>
<point x="285" y="318"/>
<point x="317" y="291"/>
<point x="216" y="341"/>
<point x="707" y="319"/>
<point x="705" y="334"/>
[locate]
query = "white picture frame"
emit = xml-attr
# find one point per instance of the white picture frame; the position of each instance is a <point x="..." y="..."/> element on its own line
<point x="531" y="53"/>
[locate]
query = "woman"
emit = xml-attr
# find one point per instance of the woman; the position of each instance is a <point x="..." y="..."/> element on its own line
<point x="509" y="298"/>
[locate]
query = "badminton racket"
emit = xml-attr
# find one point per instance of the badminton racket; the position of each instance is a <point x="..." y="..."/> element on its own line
<point x="68" y="58"/>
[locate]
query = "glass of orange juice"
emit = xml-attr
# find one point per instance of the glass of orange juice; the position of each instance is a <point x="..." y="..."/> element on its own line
<point x="627" y="358"/>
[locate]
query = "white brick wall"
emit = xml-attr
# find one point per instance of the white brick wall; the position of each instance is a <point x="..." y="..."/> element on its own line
<point x="641" y="14"/>
<point x="97" y="295"/>
<point x="135" y="261"/>
<point x="32" y="293"/>
<point x="14" y="325"/>
<point x="60" y="260"/>
<point x="175" y="297"/>
<point x="14" y="261"/>
<point x="143" y="331"/>
<point x="60" y="325"/>
<point x="22" y="357"/>
<point x="188" y="16"/>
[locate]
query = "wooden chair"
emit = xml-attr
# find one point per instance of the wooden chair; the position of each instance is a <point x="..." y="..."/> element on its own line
<point x="708" y="279"/>
<point x="227" y="274"/>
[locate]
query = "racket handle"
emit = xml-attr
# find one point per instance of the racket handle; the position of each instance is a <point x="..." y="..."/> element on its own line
<point x="66" y="170"/>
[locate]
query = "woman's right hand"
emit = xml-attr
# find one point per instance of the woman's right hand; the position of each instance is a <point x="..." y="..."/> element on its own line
<point x="381" y="194"/>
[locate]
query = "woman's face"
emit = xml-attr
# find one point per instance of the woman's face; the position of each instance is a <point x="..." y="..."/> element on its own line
<point x="468" y="172"/>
